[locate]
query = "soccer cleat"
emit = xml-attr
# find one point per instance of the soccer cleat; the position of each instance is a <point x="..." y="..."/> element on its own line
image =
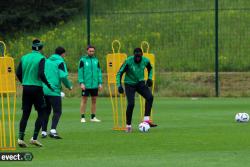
<point x="35" y="142"/>
<point x="151" y="124"/>
<point x="128" y="130"/>
<point x="55" y="136"/>
<point x="83" y="120"/>
<point x="95" y="120"/>
<point x="21" y="143"/>
<point x="44" y="134"/>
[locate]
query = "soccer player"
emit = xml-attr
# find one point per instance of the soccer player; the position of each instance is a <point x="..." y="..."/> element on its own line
<point x="30" y="73"/>
<point x="134" y="82"/>
<point x="56" y="72"/>
<point x="90" y="80"/>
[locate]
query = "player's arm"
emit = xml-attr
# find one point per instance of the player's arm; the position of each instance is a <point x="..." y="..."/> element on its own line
<point x="63" y="73"/>
<point x="150" y="70"/>
<point x="81" y="72"/>
<point x="19" y="72"/>
<point x="150" y="74"/>
<point x="41" y="73"/>
<point x="99" y="74"/>
<point x="120" y="73"/>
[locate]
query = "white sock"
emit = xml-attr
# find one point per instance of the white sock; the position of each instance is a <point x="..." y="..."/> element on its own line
<point x="146" y="118"/>
<point x="52" y="131"/>
<point x="128" y="126"/>
<point x="44" y="133"/>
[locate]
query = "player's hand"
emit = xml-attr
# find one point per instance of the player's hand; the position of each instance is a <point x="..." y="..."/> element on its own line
<point x="149" y="82"/>
<point x="100" y="87"/>
<point x="62" y="94"/>
<point x="82" y="86"/>
<point x="120" y="90"/>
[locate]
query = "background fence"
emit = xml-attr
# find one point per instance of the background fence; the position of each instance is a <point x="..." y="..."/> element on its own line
<point x="181" y="34"/>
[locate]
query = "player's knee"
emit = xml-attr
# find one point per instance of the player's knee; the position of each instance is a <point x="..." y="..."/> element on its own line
<point x="58" y="110"/>
<point x="131" y="105"/>
<point x="40" y="108"/>
<point x="25" y="116"/>
<point x="24" y="120"/>
<point x="93" y="100"/>
<point x="58" y="114"/>
<point x="84" y="100"/>
<point x="41" y="113"/>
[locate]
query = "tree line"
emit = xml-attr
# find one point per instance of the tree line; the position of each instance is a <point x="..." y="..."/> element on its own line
<point x="19" y="15"/>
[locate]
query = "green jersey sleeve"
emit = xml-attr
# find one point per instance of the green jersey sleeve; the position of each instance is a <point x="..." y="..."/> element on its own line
<point x="63" y="73"/>
<point x="120" y="73"/>
<point x="81" y="72"/>
<point x="150" y="70"/>
<point x="99" y="74"/>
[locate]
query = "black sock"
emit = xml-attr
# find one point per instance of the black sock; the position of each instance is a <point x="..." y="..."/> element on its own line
<point x="21" y="135"/>
<point x="83" y="116"/>
<point x="35" y="135"/>
<point x="92" y="116"/>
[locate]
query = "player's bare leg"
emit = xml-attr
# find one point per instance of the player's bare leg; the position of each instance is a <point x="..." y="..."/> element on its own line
<point x="93" y="110"/>
<point x="83" y="108"/>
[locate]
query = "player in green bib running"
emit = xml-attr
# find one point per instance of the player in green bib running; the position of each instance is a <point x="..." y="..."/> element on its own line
<point x="134" y="82"/>
<point x="56" y="72"/>
<point x="30" y="73"/>
<point x="90" y="80"/>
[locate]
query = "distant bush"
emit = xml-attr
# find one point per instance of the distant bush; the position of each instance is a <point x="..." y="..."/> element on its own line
<point x="17" y="15"/>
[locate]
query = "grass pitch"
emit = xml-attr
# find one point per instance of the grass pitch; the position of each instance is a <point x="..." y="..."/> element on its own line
<point x="191" y="133"/>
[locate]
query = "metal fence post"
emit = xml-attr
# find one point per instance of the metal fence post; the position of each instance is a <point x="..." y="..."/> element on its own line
<point x="88" y="21"/>
<point x="217" y="48"/>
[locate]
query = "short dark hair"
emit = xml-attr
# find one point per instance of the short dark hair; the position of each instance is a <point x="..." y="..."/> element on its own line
<point x="37" y="45"/>
<point x="136" y="50"/>
<point x="60" y="50"/>
<point x="90" y="46"/>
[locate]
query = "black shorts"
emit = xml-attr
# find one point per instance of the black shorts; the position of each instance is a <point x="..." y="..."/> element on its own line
<point x="91" y="92"/>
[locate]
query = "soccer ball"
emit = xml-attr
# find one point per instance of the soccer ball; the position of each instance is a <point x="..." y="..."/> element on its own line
<point x="242" y="117"/>
<point x="238" y="117"/>
<point x="245" y="117"/>
<point x="144" y="127"/>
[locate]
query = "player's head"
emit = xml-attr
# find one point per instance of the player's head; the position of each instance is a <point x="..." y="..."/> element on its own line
<point x="138" y="55"/>
<point x="37" y="45"/>
<point x="60" y="51"/>
<point x="91" y="50"/>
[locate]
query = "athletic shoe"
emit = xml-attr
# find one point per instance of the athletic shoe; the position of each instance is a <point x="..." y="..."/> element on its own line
<point x="151" y="124"/>
<point x="128" y="130"/>
<point x="95" y="120"/>
<point x="83" y="120"/>
<point x="44" y="134"/>
<point x="21" y="143"/>
<point x="35" y="142"/>
<point x="55" y="136"/>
